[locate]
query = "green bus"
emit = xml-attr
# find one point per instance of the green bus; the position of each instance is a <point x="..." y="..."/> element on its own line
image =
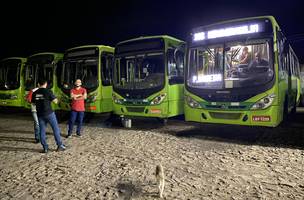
<point x="92" y="64"/>
<point x="42" y="65"/>
<point x="223" y="87"/>
<point x="302" y="87"/>
<point x="149" y="78"/>
<point x="12" y="82"/>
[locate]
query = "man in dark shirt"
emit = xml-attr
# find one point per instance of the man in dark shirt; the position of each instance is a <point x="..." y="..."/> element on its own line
<point x="258" y="61"/>
<point x="42" y="98"/>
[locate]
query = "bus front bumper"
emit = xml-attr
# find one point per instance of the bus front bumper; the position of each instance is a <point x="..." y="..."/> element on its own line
<point x="267" y="117"/>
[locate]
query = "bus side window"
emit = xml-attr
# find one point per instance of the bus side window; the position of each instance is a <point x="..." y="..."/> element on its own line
<point x="175" y="66"/>
<point x="106" y="69"/>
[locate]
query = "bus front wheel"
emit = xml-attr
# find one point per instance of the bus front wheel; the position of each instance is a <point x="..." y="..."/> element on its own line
<point x="163" y="121"/>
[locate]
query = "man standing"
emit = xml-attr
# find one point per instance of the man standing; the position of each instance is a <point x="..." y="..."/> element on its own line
<point x="42" y="98"/>
<point x="78" y="95"/>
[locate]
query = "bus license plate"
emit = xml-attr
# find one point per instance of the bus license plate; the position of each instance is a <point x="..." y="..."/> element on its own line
<point x="261" y="118"/>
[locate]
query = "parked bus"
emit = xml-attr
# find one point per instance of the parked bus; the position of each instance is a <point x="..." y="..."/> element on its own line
<point x="223" y="87"/>
<point x="42" y="65"/>
<point x="12" y="82"/>
<point x="93" y="65"/>
<point x="149" y="77"/>
<point x="302" y="87"/>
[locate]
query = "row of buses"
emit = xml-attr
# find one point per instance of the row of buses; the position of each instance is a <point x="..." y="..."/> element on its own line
<point x="162" y="77"/>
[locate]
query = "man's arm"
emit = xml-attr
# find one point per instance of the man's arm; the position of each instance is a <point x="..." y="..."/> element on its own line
<point x="52" y="97"/>
<point x="85" y="95"/>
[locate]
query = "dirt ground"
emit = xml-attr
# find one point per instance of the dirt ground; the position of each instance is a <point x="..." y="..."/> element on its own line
<point x="200" y="161"/>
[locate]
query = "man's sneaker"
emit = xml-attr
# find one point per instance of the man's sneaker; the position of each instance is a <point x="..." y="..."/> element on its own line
<point x="78" y="135"/>
<point x="68" y="136"/>
<point x="61" y="148"/>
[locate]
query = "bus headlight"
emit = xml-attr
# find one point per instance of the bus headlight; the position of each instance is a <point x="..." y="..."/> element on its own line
<point x="263" y="103"/>
<point x="14" y="96"/>
<point x="117" y="100"/>
<point x="192" y="103"/>
<point x="159" y="99"/>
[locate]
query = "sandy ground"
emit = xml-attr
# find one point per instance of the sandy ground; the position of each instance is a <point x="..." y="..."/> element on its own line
<point x="200" y="161"/>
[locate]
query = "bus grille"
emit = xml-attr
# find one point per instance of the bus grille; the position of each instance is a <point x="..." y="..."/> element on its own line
<point x="218" y="115"/>
<point x="236" y="107"/>
<point x="229" y="107"/>
<point x="136" y="109"/>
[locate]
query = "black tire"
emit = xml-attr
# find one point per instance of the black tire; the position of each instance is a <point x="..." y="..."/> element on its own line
<point x="163" y="121"/>
<point x="294" y="108"/>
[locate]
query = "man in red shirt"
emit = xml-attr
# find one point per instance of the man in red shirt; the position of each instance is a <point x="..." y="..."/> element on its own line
<point x="78" y="95"/>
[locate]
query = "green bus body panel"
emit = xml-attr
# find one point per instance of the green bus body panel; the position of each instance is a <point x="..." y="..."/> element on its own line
<point x="281" y="89"/>
<point x="14" y="98"/>
<point x="55" y="89"/>
<point x="176" y="100"/>
<point x="102" y="95"/>
<point x="172" y="105"/>
<point x="236" y="116"/>
<point x="159" y="111"/>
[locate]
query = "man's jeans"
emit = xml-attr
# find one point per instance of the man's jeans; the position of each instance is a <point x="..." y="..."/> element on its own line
<point x="36" y="126"/>
<point x="51" y="119"/>
<point x="73" y="117"/>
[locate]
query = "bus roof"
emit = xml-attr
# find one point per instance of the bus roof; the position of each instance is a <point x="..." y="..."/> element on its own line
<point x="55" y="54"/>
<point x="102" y="47"/>
<point x="166" y="37"/>
<point x="14" y="58"/>
<point x="45" y="53"/>
<point x="269" y="17"/>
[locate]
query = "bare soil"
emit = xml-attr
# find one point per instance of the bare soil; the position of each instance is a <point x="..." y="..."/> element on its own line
<point x="201" y="161"/>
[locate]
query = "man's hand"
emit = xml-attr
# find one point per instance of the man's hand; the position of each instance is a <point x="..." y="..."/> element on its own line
<point x="55" y="101"/>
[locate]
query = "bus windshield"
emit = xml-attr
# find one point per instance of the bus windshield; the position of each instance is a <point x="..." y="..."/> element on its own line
<point x="144" y="71"/>
<point x="233" y="65"/>
<point x="10" y="74"/>
<point x="34" y="71"/>
<point x="84" y="69"/>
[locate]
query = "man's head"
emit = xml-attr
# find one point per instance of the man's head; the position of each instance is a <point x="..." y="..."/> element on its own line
<point x="42" y="83"/>
<point x="257" y="56"/>
<point x="245" y="49"/>
<point x="78" y="83"/>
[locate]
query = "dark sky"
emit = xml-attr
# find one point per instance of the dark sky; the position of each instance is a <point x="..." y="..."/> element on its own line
<point x="29" y="27"/>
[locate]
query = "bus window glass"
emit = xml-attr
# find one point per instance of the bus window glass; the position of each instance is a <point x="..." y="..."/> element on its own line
<point x="206" y="67"/>
<point x="243" y="65"/>
<point x="175" y="67"/>
<point x="10" y="74"/>
<point x="140" y="71"/>
<point x="106" y="69"/>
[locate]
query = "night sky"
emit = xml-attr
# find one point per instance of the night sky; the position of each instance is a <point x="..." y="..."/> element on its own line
<point x="29" y="27"/>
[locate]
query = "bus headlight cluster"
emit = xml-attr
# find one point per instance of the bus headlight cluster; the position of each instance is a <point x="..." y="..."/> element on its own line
<point x="264" y="102"/>
<point x="117" y="100"/>
<point x="192" y="103"/>
<point x="14" y="96"/>
<point x="159" y="99"/>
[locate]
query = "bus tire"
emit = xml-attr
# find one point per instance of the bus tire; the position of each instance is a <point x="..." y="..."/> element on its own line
<point x="294" y="108"/>
<point x="163" y="121"/>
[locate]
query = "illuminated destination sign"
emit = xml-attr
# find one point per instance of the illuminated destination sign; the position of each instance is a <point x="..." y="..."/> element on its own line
<point x="226" y="32"/>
